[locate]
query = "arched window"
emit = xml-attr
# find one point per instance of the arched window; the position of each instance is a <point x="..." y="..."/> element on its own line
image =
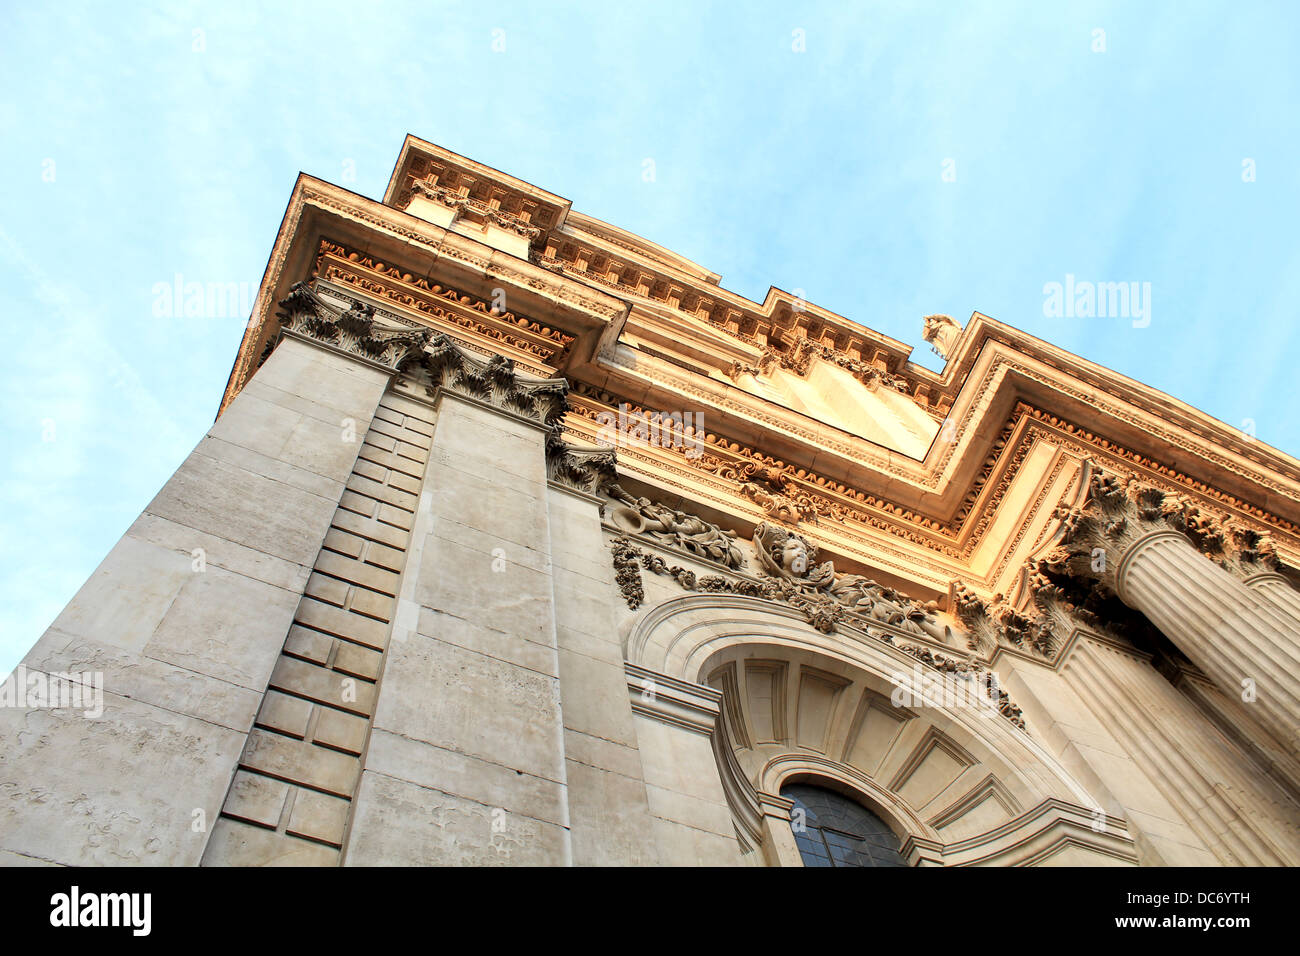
<point x="832" y="830"/>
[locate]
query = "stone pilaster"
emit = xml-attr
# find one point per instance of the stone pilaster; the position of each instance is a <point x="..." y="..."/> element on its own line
<point x="466" y="758"/>
<point x="184" y="621"/>
<point x="779" y="846"/>
<point x="675" y="724"/>
<point x="608" y="813"/>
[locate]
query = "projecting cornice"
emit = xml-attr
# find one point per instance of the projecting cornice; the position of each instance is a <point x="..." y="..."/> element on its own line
<point x="627" y="322"/>
<point x="427" y="253"/>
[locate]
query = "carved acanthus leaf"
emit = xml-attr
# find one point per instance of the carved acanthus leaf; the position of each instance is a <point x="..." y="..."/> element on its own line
<point x="588" y="468"/>
<point x="1121" y="509"/>
<point x="495" y="381"/>
<point x="990" y="623"/>
<point x="354" y="332"/>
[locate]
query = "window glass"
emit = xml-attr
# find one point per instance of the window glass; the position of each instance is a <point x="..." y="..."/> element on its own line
<point x="833" y="830"/>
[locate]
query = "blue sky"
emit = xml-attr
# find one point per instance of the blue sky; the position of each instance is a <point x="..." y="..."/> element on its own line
<point x="146" y="142"/>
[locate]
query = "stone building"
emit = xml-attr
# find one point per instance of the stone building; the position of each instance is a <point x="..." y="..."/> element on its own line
<point x="518" y="539"/>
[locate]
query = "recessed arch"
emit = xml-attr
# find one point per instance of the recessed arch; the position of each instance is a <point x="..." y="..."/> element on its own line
<point x="800" y="704"/>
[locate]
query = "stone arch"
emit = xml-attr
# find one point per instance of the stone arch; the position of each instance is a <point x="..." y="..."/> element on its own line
<point x="959" y="786"/>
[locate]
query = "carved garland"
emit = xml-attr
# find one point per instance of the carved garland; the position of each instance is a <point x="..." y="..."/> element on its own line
<point x="824" y="615"/>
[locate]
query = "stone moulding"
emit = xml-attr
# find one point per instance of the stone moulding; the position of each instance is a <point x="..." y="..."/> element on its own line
<point x="338" y="262"/>
<point x="454" y="199"/>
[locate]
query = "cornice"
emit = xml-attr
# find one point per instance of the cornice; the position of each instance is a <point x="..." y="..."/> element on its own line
<point x="317" y="209"/>
<point x="941" y="504"/>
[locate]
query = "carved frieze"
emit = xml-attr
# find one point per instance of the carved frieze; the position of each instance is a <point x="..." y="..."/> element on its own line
<point x="443" y="305"/>
<point x="674" y="528"/>
<point x="790" y="563"/>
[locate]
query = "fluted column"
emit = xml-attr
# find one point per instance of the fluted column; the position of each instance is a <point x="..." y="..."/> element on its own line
<point x="1138" y="542"/>
<point x="1243" y="820"/>
<point x="1277" y="591"/>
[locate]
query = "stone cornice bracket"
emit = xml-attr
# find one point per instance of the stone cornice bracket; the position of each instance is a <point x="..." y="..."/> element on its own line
<point x="495" y="381"/>
<point x="454" y="199"/>
<point x="592" y="469"/>
<point x="305" y="315"/>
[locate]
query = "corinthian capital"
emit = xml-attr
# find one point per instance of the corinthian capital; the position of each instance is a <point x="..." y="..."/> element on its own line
<point x="354" y="332"/>
<point x="495" y="381"/>
<point x="1121" y="511"/>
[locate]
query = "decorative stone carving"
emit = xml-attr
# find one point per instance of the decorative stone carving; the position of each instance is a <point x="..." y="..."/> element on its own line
<point x="454" y="199"/>
<point x="627" y="574"/>
<point x="495" y="381"/>
<point x="942" y="332"/>
<point x="991" y="623"/>
<point x="766" y="362"/>
<point x="591" y="469"/>
<point x="1121" y="510"/>
<point x="773" y="491"/>
<point x="798" y="359"/>
<point x="304" y="313"/>
<point x="675" y="528"/>
<point x="790" y="558"/>
<point x="965" y="670"/>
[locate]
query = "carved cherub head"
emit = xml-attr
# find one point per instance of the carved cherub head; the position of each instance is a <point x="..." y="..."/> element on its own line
<point x="782" y="552"/>
<point x="793" y="556"/>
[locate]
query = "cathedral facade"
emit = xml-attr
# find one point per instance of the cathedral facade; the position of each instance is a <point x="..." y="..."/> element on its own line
<point x="519" y="540"/>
